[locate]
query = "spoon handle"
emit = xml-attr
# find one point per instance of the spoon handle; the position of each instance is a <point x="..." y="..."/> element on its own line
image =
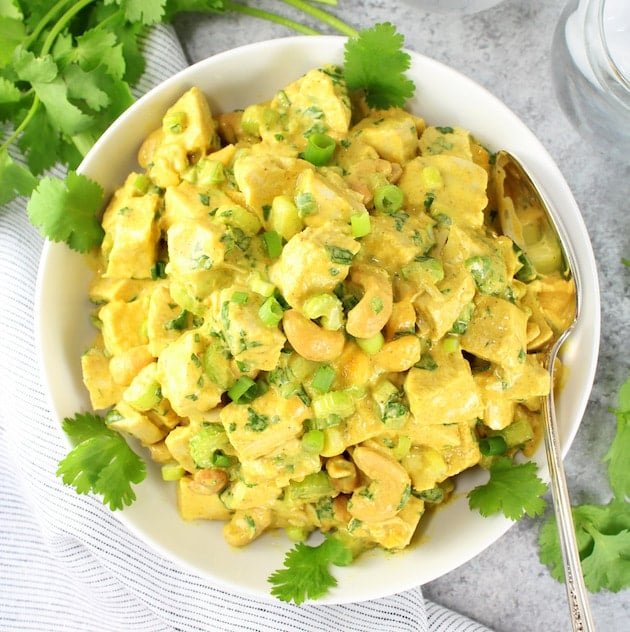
<point x="579" y="608"/>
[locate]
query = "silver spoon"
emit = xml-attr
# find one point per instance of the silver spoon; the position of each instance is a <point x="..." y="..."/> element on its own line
<point x="518" y="183"/>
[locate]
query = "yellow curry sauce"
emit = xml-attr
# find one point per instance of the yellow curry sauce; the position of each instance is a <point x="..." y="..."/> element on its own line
<point x="316" y="347"/>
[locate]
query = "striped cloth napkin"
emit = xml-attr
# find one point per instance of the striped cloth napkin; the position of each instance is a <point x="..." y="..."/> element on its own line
<point x="66" y="562"/>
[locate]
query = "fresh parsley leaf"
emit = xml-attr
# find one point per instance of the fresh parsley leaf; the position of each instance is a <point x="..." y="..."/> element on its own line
<point x="513" y="488"/>
<point x="603" y="537"/>
<point x="65" y="210"/>
<point x="617" y="456"/>
<point x="101" y="461"/>
<point x="375" y="62"/>
<point x="306" y="573"/>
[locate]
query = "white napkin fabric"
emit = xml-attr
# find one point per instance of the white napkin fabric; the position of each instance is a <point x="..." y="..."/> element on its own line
<point x="66" y="563"/>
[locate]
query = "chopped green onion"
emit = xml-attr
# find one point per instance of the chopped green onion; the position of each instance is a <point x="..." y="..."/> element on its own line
<point x="431" y="177"/>
<point x="325" y="306"/>
<point x="243" y="391"/>
<point x="240" y="297"/>
<point x="209" y="172"/>
<point x="319" y="149"/>
<point x="360" y="225"/>
<point x="333" y="403"/>
<point x="373" y="344"/>
<point x="450" y="344"/>
<point x="492" y="446"/>
<point x="172" y="471"/>
<point x="270" y="312"/>
<point x="273" y="243"/>
<point x="313" y="441"/>
<point x="402" y="447"/>
<point x="311" y="488"/>
<point x="319" y="423"/>
<point x="141" y="183"/>
<point x="324" y="378"/>
<point x="284" y="217"/>
<point x="388" y="198"/>
<point x="260" y="286"/>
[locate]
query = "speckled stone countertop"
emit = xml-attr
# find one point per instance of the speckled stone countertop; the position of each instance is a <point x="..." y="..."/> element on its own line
<point x="507" y="50"/>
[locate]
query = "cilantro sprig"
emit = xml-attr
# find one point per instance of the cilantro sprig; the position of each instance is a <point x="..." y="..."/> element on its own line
<point x="101" y="462"/>
<point x="306" y="573"/>
<point x="66" y="73"/>
<point x="375" y="62"/>
<point x="513" y="489"/>
<point x="603" y="531"/>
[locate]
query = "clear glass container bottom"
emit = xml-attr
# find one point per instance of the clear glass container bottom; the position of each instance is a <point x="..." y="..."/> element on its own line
<point x="591" y="72"/>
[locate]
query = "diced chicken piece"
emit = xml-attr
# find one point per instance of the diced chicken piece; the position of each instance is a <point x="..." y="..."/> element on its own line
<point x="188" y="202"/>
<point x="163" y="320"/>
<point x="393" y="133"/>
<point x="131" y="235"/>
<point x="331" y="199"/>
<point x="104" y="392"/>
<point x="246" y="494"/>
<point x="260" y="427"/>
<point x="396" y="240"/>
<point x="318" y="101"/>
<point x="439" y="307"/>
<point x="188" y="132"/>
<point x="194" y="247"/>
<point x="123" y="324"/>
<point x="263" y="176"/>
<point x="183" y="380"/>
<point x="314" y="261"/>
<point x="130" y="421"/>
<point x="497" y="332"/>
<point x="290" y="461"/>
<point x="253" y="345"/>
<point x="453" y="189"/>
<point x="446" y="395"/>
<point x="453" y="141"/>
<point x="193" y="505"/>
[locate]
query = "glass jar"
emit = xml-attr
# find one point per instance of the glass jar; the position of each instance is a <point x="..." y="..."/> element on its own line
<point x="590" y="60"/>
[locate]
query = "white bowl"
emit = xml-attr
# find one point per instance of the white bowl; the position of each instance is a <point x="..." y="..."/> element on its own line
<point x="235" y="79"/>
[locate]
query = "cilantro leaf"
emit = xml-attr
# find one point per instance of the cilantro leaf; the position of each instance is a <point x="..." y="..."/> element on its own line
<point x="145" y="11"/>
<point x="306" y="574"/>
<point x="513" y="488"/>
<point x="101" y="462"/>
<point x="14" y="179"/>
<point x="617" y="455"/>
<point x="603" y="538"/>
<point x="375" y="62"/>
<point x="65" y="210"/>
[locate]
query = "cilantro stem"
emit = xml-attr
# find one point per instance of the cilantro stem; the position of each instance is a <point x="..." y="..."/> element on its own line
<point x="270" y="17"/>
<point x="322" y="16"/>
<point x="43" y="23"/>
<point x="23" y="123"/>
<point x="61" y="24"/>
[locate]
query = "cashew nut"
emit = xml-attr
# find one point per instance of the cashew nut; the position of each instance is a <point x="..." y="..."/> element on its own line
<point x="344" y="476"/>
<point x="309" y="339"/>
<point x="209" y="481"/>
<point x="374" y="309"/>
<point x="388" y="490"/>
<point x="402" y="320"/>
<point x="400" y="354"/>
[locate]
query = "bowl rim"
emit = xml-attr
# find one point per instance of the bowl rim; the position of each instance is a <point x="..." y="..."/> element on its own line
<point x="532" y="154"/>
